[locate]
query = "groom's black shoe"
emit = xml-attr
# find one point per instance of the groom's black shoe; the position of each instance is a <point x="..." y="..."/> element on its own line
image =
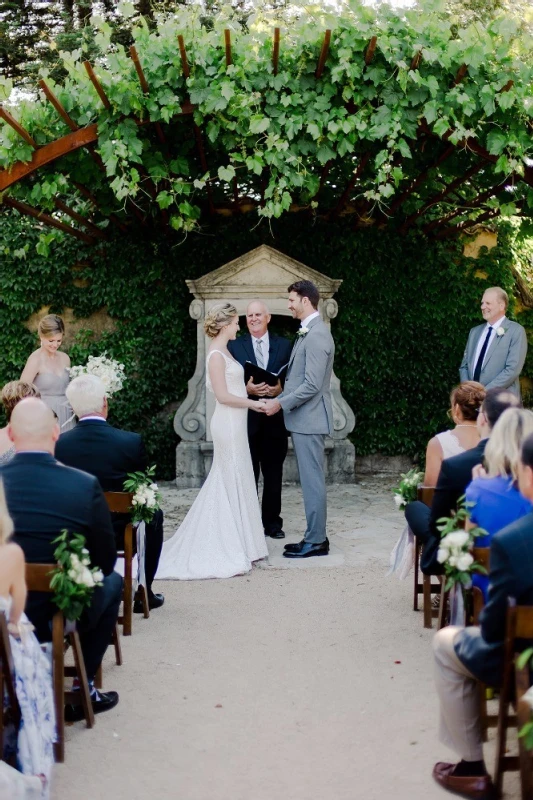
<point x="154" y="601"/>
<point x="309" y="549"/>
<point x="275" y="533"/>
<point x="296" y="547"/>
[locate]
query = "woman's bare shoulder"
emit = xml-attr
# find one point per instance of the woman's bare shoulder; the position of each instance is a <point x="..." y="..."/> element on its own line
<point x="13" y="552"/>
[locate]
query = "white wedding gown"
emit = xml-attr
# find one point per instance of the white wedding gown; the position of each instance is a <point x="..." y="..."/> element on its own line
<point x="222" y="533"/>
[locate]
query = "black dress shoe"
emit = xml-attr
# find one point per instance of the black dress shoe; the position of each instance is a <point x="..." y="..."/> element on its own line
<point x="101" y="701"/>
<point x="275" y="533"/>
<point x="154" y="601"/>
<point x="297" y="546"/>
<point x="308" y="549"/>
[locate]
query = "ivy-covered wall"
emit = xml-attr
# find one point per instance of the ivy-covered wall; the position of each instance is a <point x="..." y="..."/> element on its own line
<point x="405" y="307"/>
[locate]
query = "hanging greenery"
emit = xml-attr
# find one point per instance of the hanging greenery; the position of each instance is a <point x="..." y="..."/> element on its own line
<point x="376" y="100"/>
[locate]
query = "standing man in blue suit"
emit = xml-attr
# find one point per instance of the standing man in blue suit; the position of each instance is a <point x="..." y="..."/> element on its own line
<point x="267" y="436"/>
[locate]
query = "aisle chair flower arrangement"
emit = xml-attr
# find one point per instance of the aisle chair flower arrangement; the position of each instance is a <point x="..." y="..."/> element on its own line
<point x="73" y="579"/>
<point x="406" y="491"/>
<point x="145" y="502"/>
<point x="402" y="557"/>
<point x="110" y="372"/>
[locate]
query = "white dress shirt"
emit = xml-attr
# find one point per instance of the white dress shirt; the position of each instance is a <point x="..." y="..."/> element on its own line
<point x="494" y="327"/>
<point x="265" y="342"/>
<point x="307" y="320"/>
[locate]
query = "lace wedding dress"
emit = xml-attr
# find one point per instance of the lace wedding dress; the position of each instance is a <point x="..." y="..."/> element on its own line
<point x="222" y="533"/>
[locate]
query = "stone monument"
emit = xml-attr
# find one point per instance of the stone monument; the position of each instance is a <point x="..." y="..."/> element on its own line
<point x="262" y="274"/>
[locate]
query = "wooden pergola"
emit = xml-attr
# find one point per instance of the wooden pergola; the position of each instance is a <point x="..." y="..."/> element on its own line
<point x="462" y="172"/>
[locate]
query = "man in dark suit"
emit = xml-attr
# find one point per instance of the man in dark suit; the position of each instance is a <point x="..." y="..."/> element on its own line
<point x="109" y="454"/>
<point x="267" y="436"/>
<point x="455" y="475"/>
<point x="44" y="497"/>
<point x="464" y="656"/>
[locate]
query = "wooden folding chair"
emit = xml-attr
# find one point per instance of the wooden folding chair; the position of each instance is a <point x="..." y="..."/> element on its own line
<point x="426" y="588"/>
<point x="10" y="714"/>
<point x="38" y="578"/>
<point x="519" y="628"/>
<point x="120" y="503"/>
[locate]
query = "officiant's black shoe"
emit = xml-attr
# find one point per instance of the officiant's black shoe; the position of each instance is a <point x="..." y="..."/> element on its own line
<point x="308" y="549"/>
<point x="295" y="547"/>
<point x="275" y="533"/>
<point x="101" y="701"/>
<point x="154" y="601"/>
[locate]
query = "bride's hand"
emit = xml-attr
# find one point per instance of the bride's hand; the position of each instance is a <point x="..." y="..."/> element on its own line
<point x="259" y="405"/>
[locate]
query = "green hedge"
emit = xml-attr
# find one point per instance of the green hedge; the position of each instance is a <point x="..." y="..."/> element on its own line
<point x="405" y="307"/>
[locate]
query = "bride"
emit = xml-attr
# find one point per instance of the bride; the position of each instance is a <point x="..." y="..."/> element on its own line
<point x="222" y="533"/>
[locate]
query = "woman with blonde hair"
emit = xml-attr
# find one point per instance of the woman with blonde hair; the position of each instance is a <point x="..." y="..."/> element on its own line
<point x="48" y="369"/>
<point x="493" y="499"/>
<point x="222" y="534"/>
<point x="12" y="393"/>
<point x="33" y="677"/>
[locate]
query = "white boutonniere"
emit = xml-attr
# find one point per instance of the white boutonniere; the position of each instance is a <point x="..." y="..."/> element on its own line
<point x="500" y="331"/>
<point x="303" y="331"/>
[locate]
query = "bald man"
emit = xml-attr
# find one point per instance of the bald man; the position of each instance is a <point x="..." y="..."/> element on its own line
<point x="43" y="498"/>
<point x="267" y="436"/>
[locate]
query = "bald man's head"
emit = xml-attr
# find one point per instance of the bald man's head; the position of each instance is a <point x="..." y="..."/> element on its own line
<point x="257" y="318"/>
<point x="33" y="426"/>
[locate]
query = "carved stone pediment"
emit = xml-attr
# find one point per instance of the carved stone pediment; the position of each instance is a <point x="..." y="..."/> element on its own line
<point x="261" y="273"/>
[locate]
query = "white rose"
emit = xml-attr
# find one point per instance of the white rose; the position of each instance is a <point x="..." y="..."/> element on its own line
<point x="73" y="575"/>
<point x="139" y="501"/>
<point x="87" y="578"/>
<point x="442" y="555"/>
<point x="154" y="487"/>
<point x="98" y="576"/>
<point x="455" y="539"/>
<point x="500" y="331"/>
<point x="464" y="562"/>
<point x="398" y="499"/>
<point x="452" y="561"/>
<point x="528" y="697"/>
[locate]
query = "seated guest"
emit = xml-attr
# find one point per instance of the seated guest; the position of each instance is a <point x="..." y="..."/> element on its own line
<point x="12" y="393"/>
<point x="109" y="454"/>
<point x="33" y="676"/>
<point x="494" y="500"/>
<point x="464" y="656"/>
<point x="454" y="477"/>
<point x="43" y="498"/>
<point x="465" y="401"/>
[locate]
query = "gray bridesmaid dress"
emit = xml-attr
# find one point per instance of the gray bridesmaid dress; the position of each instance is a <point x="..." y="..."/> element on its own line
<point x="52" y="388"/>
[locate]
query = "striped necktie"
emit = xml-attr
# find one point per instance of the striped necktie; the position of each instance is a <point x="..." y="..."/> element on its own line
<point x="259" y="354"/>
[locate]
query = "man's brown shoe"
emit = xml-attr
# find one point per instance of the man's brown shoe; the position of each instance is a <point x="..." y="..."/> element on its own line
<point x="479" y="787"/>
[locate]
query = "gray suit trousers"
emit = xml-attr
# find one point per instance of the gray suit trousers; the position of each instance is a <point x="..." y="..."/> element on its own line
<point x="309" y="449"/>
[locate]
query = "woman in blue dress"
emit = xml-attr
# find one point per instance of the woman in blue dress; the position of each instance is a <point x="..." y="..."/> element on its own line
<point x="493" y="500"/>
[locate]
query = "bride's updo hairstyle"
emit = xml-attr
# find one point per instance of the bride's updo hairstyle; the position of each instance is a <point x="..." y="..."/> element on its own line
<point x="469" y="396"/>
<point x="50" y="325"/>
<point x="218" y="317"/>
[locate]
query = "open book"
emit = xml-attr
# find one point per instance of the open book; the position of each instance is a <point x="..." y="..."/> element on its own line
<point x="260" y="375"/>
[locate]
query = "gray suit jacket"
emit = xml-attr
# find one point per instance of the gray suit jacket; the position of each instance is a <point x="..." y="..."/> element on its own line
<point x="306" y="398"/>
<point x="504" y="359"/>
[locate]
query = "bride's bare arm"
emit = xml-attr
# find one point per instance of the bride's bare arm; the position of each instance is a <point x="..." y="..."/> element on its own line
<point x="217" y="374"/>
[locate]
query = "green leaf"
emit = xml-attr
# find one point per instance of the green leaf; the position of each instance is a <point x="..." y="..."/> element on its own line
<point x="226" y="173"/>
<point x="496" y="142"/>
<point x="259" y="124"/>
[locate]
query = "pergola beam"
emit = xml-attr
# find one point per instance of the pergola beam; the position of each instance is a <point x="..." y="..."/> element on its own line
<point x="370" y="50"/>
<point x="363" y="161"/>
<point x="477" y="201"/>
<point x="97" y="85"/>
<point x="50" y="96"/>
<point x="323" y="54"/>
<point x="24" y="208"/>
<point x="22" y="132"/>
<point x="275" y="51"/>
<point x="70" y="212"/>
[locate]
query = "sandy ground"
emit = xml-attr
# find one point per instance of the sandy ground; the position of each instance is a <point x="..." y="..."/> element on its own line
<point x="308" y="682"/>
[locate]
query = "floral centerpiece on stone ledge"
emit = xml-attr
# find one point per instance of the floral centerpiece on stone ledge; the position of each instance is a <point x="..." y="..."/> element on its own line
<point x="110" y="372"/>
<point x="407" y="488"/>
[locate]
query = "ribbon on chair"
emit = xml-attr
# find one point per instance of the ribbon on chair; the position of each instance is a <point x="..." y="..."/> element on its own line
<point x="141" y="549"/>
<point x="402" y="557"/>
<point x="457" y="605"/>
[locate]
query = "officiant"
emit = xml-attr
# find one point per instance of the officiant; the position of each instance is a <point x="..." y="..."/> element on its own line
<point x="267" y="436"/>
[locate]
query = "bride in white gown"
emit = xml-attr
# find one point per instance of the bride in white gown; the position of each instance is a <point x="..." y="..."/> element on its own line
<point x="222" y="534"/>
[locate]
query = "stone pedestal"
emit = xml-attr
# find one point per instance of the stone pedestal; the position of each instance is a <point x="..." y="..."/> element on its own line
<point x="263" y="274"/>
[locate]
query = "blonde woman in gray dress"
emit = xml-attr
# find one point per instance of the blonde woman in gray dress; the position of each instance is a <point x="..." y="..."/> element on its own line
<point x="47" y="368"/>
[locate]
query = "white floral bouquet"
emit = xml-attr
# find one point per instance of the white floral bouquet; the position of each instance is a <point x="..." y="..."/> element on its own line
<point x="406" y="490"/>
<point x="110" y="372"/>
<point x="455" y="549"/>
<point x="73" y="580"/>
<point x="146" y="495"/>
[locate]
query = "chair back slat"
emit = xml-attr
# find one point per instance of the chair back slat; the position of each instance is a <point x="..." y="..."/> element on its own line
<point x="425" y="494"/>
<point x="523" y="623"/>
<point x="482" y="556"/>
<point x="119" y="502"/>
<point x="38" y="577"/>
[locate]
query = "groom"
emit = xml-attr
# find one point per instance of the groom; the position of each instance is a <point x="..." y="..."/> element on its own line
<point x="308" y="413"/>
